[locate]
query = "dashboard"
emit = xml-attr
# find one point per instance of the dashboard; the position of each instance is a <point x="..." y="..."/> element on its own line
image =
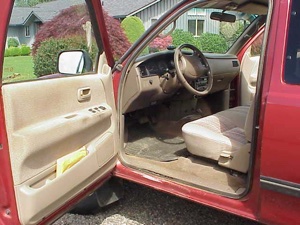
<point x="157" y="66"/>
<point x="152" y="78"/>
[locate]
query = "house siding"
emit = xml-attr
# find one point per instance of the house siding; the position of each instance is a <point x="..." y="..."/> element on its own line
<point x="155" y="11"/>
<point x="158" y="9"/>
<point x="18" y="32"/>
<point x="14" y="32"/>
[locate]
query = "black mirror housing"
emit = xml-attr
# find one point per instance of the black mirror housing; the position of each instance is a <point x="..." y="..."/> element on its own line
<point x="223" y="17"/>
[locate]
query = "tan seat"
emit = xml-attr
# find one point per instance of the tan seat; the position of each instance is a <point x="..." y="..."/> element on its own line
<point x="224" y="137"/>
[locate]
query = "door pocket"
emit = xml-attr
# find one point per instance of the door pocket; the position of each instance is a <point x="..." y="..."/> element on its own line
<point x="46" y="191"/>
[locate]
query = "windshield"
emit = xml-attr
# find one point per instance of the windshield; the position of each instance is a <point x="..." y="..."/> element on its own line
<point x="197" y="28"/>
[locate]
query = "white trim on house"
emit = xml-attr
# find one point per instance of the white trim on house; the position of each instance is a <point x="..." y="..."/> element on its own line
<point x="143" y="8"/>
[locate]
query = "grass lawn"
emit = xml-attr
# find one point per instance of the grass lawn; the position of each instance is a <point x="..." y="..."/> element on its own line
<point x="17" y="69"/>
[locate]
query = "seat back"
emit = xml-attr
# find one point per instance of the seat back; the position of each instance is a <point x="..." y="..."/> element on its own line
<point x="239" y="159"/>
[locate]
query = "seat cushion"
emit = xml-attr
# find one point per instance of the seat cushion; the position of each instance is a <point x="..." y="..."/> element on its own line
<point x="223" y="131"/>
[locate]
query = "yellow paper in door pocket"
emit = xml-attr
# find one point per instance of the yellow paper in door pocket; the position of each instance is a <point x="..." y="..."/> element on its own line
<point x="66" y="162"/>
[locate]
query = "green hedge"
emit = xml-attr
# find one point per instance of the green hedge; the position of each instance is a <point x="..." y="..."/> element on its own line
<point x="207" y="42"/>
<point x="215" y="43"/>
<point x="45" y="59"/>
<point x="23" y="50"/>
<point x="12" y="51"/>
<point x="184" y="37"/>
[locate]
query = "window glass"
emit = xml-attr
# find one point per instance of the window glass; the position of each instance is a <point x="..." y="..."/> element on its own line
<point x="27" y="31"/>
<point x="256" y="46"/>
<point x="292" y="66"/>
<point x="197" y="28"/>
<point x="38" y="33"/>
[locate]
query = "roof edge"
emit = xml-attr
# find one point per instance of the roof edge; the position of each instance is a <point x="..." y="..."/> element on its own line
<point x="144" y="7"/>
<point x="31" y="14"/>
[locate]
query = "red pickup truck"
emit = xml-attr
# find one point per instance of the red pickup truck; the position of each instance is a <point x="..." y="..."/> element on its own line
<point x="213" y="118"/>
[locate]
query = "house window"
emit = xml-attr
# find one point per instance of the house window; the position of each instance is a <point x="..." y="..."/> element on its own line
<point x="27" y="31"/>
<point x="196" y="27"/>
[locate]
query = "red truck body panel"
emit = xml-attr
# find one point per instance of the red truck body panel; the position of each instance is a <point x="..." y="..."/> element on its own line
<point x="272" y="197"/>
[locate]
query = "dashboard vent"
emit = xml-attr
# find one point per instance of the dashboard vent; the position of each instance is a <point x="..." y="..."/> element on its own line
<point x="143" y="71"/>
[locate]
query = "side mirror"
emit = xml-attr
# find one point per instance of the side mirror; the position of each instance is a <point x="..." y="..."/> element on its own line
<point x="74" y="62"/>
<point x="223" y="17"/>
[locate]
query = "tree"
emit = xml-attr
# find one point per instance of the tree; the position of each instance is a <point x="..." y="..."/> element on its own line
<point x="133" y="28"/>
<point x="30" y="3"/>
<point x="69" y="23"/>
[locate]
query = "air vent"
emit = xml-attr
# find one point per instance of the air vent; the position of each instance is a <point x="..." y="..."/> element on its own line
<point x="143" y="71"/>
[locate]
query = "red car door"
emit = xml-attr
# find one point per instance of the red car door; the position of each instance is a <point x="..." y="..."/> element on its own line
<point x="43" y="120"/>
<point x="280" y="153"/>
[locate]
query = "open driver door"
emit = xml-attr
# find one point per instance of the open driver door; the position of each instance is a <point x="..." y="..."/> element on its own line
<point x="43" y="120"/>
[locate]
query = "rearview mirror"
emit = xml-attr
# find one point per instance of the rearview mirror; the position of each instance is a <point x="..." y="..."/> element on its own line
<point x="74" y="62"/>
<point x="223" y="17"/>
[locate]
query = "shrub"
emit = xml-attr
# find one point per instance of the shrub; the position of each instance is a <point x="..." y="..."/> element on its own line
<point x="117" y="38"/>
<point x="25" y="50"/>
<point x="45" y="59"/>
<point x="13" y="51"/>
<point x="231" y="31"/>
<point x="160" y="43"/>
<point x="28" y="3"/>
<point x="213" y="43"/>
<point x="69" y="23"/>
<point x="133" y="28"/>
<point x="12" y="42"/>
<point x="17" y="51"/>
<point x="184" y="37"/>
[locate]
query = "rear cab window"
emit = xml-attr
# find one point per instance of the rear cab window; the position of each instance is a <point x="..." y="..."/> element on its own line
<point x="292" y="64"/>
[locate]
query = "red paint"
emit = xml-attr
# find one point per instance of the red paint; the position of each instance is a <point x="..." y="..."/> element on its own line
<point x="281" y="136"/>
<point x="246" y="207"/>
<point x="242" y="51"/>
<point x="116" y="81"/>
<point x="102" y="28"/>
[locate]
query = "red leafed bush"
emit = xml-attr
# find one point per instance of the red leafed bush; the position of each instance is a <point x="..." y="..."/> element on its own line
<point x="160" y="43"/>
<point x="119" y="42"/>
<point x="69" y="23"/>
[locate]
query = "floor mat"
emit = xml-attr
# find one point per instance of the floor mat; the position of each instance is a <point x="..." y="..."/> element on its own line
<point x="144" y="142"/>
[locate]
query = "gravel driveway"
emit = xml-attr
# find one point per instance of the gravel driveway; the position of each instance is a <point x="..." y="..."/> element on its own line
<point x="142" y="205"/>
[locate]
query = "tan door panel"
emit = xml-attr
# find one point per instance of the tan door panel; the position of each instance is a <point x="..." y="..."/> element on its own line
<point x="48" y="119"/>
<point x="249" y="71"/>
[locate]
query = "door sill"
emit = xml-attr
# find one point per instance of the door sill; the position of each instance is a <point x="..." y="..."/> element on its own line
<point x="234" y="206"/>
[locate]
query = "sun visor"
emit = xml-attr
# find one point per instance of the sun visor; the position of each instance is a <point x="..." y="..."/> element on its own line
<point x="254" y="8"/>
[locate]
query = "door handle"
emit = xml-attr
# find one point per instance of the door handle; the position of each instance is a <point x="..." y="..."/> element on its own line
<point x="84" y="94"/>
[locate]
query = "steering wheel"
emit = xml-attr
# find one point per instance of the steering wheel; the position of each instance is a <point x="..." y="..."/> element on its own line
<point x="192" y="70"/>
